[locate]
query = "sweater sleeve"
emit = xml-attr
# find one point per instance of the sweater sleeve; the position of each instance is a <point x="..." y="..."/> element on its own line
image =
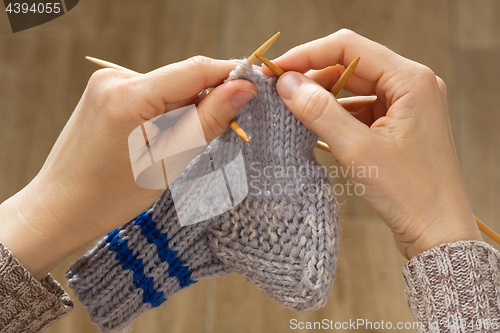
<point x="27" y="305"/>
<point x="455" y="288"/>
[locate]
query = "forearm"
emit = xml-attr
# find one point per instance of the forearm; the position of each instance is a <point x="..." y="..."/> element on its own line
<point x="32" y="230"/>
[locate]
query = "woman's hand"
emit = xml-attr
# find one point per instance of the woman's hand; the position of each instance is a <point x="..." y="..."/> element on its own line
<point x="86" y="187"/>
<point x="402" y="129"/>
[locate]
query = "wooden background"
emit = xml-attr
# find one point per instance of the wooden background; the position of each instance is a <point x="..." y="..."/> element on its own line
<point x="43" y="73"/>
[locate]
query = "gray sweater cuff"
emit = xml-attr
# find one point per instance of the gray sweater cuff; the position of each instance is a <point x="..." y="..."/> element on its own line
<point x="455" y="288"/>
<point x="26" y="304"/>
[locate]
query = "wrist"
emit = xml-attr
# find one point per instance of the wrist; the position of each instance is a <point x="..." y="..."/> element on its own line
<point x="464" y="229"/>
<point x="33" y="228"/>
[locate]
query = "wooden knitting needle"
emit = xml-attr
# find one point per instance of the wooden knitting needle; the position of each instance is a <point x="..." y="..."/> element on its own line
<point x="323" y="146"/>
<point x="103" y="63"/>
<point x="250" y="61"/>
<point x="261" y="50"/>
<point x="487" y="230"/>
<point x="107" y="64"/>
<point x="344" y="77"/>
<point x="335" y="90"/>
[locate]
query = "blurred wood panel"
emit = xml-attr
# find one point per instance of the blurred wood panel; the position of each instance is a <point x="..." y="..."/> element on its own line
<point x="477" y="64"/>
<point x="43" y="74"/>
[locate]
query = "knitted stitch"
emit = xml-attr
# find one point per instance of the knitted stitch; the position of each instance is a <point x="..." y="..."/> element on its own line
<point x="28" y="305"/>
<point x="282" y="238"/>
<point x="138" y="266"/>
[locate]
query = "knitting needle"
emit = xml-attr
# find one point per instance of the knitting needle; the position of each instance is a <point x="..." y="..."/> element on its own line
<point x="103" y="63"/>
<point x="274" y="68"/>
<point x="253" y="57"/>
<point x="250" y="61"/>
<point x="344" y="77"/>
<point x="107" y="64"/>
<point x="487" y="230"/>
<point x="323" y="146"/>
<point x="335" y="90"/>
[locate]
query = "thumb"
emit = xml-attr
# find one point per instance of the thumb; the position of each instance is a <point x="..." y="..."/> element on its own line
<point x="319" y="110"/>
<point x="217" y="109"/>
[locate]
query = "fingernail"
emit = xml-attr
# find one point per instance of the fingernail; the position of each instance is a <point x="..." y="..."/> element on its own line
<point x="241" y="97"/>
<point x="288" y="85"/>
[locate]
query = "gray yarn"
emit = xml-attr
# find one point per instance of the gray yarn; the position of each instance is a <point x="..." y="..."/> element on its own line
<point x="284" y="243"/>
<point x="107" y="290"/>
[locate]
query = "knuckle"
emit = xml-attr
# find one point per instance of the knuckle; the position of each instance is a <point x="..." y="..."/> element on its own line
<point x="199" y="64"/>
<point x="426" y="73"/>
<point x="100" y="77"/>
<point x="117" y="90"/>
<point x="441" y="84"/>
<point x="108" y="89"/>
<point x="199" y="61"/>
<point x="314" y="106"/>
<point x="346" y="33"/>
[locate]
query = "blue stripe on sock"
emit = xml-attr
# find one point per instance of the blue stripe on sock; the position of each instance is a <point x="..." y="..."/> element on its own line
<point x="129" y="261"/>
<point x="154" y="236"/>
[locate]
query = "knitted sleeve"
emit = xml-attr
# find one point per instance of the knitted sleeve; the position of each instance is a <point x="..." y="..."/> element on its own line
<point x="27" y="305"/>
<point x="455" y="288"/>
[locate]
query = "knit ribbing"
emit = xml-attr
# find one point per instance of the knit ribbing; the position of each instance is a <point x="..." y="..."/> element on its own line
<point x="27" y="305"/>
<point x="455" y="288"/>
<point x="137" y="267"/>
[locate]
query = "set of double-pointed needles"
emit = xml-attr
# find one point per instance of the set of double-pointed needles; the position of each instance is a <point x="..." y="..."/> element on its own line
<point x="258" y="54"/>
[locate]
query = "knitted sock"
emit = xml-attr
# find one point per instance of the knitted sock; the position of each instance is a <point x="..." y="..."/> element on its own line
<point x="138" y="266"/>
<point x="283" y="237"/>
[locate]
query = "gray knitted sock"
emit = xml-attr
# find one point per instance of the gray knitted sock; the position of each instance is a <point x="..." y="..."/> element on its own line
<point x="282" y="238"/>
<point x="138" y="266"/>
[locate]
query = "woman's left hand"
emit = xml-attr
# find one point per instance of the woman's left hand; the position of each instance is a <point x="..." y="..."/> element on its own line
<point x="86" y="187"/>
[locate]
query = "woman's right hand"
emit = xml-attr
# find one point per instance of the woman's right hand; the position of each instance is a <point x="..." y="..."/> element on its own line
<point x="399" y="126"/>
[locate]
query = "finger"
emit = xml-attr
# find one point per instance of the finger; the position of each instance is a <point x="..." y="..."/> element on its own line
<point x="219" y="107"/>
<point x="328" y="76"/>
<point x="360" y="108"/>
<point x="377" y="64"/>
<point x="320" y="112"/>
<point x="366" y="109"/>
<point x="185" y="79"/>
<point x="180" y="104"/>
<point x="341" y="47"/>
